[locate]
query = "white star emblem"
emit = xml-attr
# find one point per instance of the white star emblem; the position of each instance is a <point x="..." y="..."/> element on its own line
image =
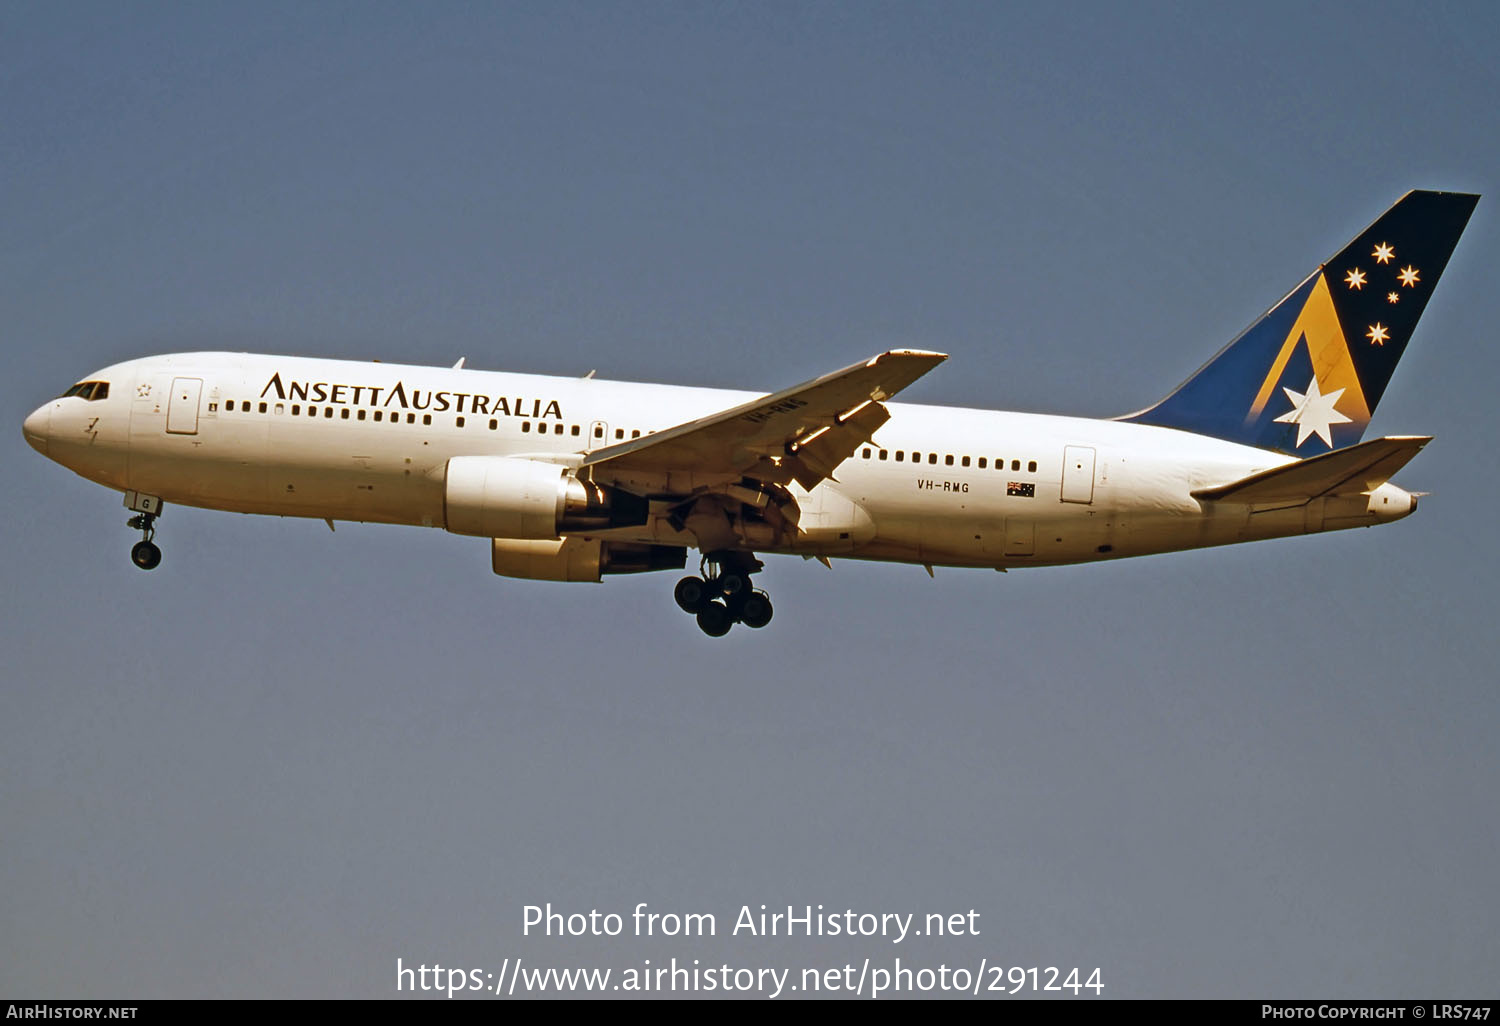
<point x="1355" y="278"/>
<point x="1378" y="334"/>
<point x="1313" y="413"/>
<point x="143" y="391"/>
<point x="1408" y="276"/>
<point x="1383" y="253"/>
<point x="1393" y="297"/>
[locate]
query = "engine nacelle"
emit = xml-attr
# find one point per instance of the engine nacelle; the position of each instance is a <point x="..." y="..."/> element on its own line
<point x="504" y="497"/>
<point x="580" y="559"/>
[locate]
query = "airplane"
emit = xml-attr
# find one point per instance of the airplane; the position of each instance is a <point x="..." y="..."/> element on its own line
<point x="575" y="479"/>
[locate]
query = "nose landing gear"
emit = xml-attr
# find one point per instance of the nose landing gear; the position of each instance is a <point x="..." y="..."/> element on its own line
<point x="145" y="553"/>
<point x="724" y="595"/>
<point x="147" y="508"/>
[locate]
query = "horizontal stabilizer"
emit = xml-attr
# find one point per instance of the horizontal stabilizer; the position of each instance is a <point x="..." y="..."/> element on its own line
<point x="1354" y="470"/>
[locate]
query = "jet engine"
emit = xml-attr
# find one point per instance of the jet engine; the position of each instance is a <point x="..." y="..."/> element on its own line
<point x="506" y="497"/>
<point x="580" y="559"/>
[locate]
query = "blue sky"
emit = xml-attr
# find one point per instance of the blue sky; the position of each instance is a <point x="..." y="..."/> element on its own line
<point x="286" y="757"/>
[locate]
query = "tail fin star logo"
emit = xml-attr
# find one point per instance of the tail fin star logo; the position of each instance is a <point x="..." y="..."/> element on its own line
<point x="1313" y="412"/>
<point x="1344" y="327"/>
<point x="1317" y="333"/>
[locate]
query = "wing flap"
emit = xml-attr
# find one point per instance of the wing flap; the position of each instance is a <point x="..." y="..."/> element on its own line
<point x="1354" y="470"/>
<point x="802" y="432"/>
<point x="814" y="457"/>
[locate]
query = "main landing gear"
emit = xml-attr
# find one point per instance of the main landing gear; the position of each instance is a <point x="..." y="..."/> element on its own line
<point x="724" y="595"/>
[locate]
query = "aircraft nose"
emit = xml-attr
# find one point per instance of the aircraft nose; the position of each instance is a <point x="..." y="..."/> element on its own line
<point x="38" y="427"/>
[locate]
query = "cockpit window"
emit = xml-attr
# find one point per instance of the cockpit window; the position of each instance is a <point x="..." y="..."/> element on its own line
<point x="89" y="390"/>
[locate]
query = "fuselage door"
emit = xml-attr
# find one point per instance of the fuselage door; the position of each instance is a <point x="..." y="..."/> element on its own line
<point x="598" y="435"/>
<point x="1078" y="474"/>
<point x="182" y="407"/>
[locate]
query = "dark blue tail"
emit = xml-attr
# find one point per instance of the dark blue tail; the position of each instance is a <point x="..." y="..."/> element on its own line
<point x="1305" y="378"/>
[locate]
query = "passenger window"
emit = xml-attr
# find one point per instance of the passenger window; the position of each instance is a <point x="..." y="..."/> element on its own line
<point x="328" y="412"/>
<point x="426" y="418"/>
<point x="865" y="454"/>
<point x="312" y="411"/>
<point x="916" y="457"/>
<point x="1031" y="466"/>
<point x="965" y="461"/>
<point x="411" y="418"/>
<point x="598" y="432"/>
<point x="981" y="463"/>
<point x="262" y="407"/>
<point x="361" y="415"/>
<point x="296" y="410"/>
<point x="635" y="434"/>
<point x="932" y="457"/>
<point x="379" y="415"/>
<point x="229" y="406"/>
<point x="1015" y="464"/>
<point x="280" y="409"/>
<point x="525" y="427"/>
<point x="900" y="455"/>
<point x="619" y="433"/>
<point x="575" y="430"/>
<point x="948" y="460"/>
<point x="492" y="423"/>
<point x="882" y="454"/>
<point x="459" y="422"/>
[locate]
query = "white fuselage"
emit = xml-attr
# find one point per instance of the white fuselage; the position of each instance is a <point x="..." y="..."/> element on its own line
<point x="346" y="440"/>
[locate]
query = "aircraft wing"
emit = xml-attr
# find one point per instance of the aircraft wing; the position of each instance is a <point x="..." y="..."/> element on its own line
<point x="799" y="434"/>
<point x="1354" y="470"/>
